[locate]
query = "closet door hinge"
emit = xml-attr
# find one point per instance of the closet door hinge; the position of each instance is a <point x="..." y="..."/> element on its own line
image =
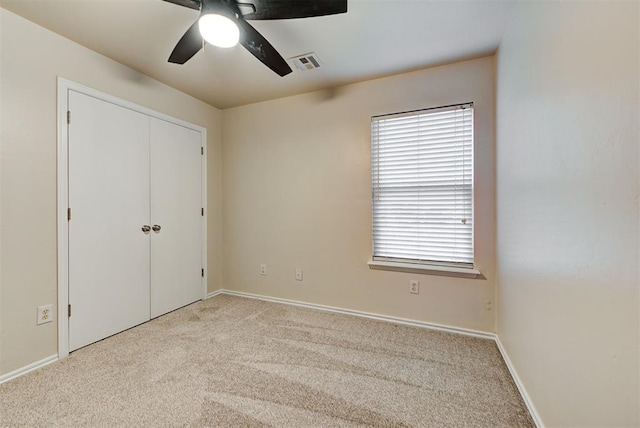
<point x="202" y="212"/>
<point x="68" y="117"/>
<point x="68" y="214"/>
<point x="202" y="150"/>
<point x="203" y="273"/>
<point x="69" y="311"/>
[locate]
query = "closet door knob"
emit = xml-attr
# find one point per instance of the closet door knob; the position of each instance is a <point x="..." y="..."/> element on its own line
<point x="146" y="228"/>
<point x="156" y="228"/>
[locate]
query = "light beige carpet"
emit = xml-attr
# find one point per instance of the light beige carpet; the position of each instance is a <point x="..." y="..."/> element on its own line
<point x="231" y="361"/>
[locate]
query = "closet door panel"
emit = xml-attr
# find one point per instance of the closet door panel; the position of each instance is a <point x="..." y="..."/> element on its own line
<point x="109" y="199"/>
<point x="176" y="248"/>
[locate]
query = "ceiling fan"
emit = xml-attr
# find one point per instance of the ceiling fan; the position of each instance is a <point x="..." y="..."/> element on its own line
<point x="224" y="23"/>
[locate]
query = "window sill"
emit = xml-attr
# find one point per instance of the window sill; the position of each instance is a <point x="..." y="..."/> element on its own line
<point x="425" y="269"/>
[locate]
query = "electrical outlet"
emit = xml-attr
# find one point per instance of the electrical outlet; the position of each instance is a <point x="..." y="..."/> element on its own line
<point x="414" y="286"/>
<point x="45" y="314"/>
<point x="488" y="305"/>
<point x="298" y="274"/>
<point x="263" y="269"/>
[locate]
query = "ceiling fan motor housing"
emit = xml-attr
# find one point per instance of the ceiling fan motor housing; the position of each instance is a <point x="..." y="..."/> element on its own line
<point x="228" y="8"/>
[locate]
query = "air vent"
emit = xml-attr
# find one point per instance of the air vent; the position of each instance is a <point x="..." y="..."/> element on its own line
<point x="306" y="62"/>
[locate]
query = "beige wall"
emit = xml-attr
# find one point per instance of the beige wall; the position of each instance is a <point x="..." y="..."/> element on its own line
<point x="297" y="193"/>
<point x="31" y="59"/>
<point x="567" y="208"/>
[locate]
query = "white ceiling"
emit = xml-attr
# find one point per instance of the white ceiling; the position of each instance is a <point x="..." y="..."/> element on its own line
<point x="374" y="38"/>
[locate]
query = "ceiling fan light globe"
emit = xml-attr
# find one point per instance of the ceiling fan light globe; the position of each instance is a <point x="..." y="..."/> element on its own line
<point x="219" y="30"/>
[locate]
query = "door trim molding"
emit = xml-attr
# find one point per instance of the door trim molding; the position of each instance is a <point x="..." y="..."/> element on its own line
<point x="64" y="86"/>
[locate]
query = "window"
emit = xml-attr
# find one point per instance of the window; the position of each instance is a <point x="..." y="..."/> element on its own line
<point x="422" y="177"/>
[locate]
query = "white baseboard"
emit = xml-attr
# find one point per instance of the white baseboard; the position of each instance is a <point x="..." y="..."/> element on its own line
<point x="26" y="369"/>
<point x="523" y="391"/>
<point x="396" y="320"/>
<point x="214" y="293"/>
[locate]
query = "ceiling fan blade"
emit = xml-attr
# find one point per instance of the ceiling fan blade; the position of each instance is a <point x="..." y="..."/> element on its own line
<point x="188" y="45"/>
<point x="259" y="47"/>
<point x="191" y="4"/>
<point x="289" y="9"/>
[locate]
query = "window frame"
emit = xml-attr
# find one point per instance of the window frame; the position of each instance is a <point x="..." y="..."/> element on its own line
<point x="448" y="268"/>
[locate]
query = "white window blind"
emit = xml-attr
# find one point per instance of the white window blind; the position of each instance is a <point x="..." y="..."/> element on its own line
<point x="422" y="174"/>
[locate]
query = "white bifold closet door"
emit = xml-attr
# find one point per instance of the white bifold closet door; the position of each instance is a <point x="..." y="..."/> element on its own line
<point x="176" y="201"/>
<point x="128" y="170"/>
<point x="109" y="200"/>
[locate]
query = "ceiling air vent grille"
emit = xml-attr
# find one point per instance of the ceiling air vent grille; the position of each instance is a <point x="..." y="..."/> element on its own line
<point x="306" y="62"/>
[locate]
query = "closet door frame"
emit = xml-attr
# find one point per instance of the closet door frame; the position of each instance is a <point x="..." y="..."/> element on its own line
<point x="64" y="86"/>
